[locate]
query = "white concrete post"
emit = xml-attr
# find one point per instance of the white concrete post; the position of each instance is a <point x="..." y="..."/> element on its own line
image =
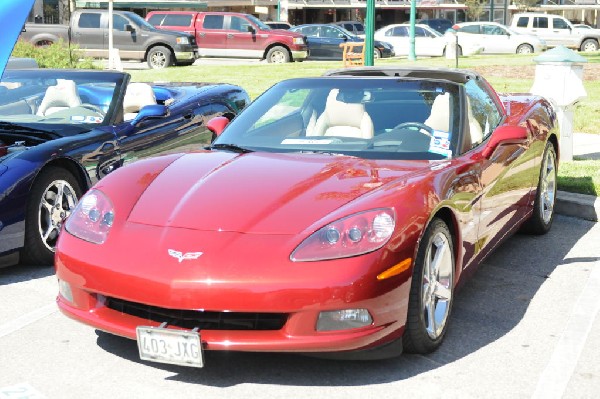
<point x="559" y="78"/>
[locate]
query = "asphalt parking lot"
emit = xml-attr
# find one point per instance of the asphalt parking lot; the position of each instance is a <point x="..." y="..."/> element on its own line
<point x="526" y="325"/>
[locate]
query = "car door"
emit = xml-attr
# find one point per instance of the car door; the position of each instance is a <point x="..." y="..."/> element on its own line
<point x="181" y="130"/>
<point x="314" y="42"/>
<point x="243" y="39"/>
<point x="496" y="40"/>
<point x="506" y="176"/>
<point x="398" y="36"/>
<point x="428" y="43"/>
<point x="212" y="35"/>
<point x="129" y="42"/>
<point x="332" y="37"/>
<point x="89" y="34"/>
<point x="562" y="34"/>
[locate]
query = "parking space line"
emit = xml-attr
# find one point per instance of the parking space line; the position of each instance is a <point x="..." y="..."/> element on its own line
<point x="26" y="319"/>
<point x="557" y="374"/>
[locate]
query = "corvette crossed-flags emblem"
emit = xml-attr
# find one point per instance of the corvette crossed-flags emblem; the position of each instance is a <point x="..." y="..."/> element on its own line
<point x="180" y="256"/>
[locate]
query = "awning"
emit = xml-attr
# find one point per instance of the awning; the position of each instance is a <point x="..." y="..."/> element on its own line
<point x="154" y="4"/>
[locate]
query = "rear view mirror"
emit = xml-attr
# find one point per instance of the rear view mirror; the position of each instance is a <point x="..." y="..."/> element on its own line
<point x="151" y="111"/>
<point x="505" y="135"/>
<point x="218" y="124"/>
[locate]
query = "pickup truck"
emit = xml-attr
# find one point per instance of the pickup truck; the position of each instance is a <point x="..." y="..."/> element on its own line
<point x="231" y="34"/>
<point x="135" y="38"/>
<point x="556" y="31"/>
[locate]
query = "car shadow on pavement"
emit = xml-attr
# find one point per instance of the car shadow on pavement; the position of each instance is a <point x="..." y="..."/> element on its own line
<point x="20" y="273"/>
<point x="488" y="307"/>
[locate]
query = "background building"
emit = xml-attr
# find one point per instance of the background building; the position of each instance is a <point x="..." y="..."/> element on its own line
<point x="324" y="11"/>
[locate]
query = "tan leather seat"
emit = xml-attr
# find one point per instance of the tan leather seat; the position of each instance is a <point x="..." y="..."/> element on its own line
<point x="57" y="98"/>
<point x="343" y="119"/>
<point x="439" y="119"/>
<point x="138" y="95"/>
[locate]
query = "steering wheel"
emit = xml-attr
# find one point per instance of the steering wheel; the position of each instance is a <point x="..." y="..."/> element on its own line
<point x="93" y="108"/>
<point x="421" y="127"/>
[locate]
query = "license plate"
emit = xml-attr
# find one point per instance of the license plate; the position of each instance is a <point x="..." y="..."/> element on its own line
<point x="164" y="345"/>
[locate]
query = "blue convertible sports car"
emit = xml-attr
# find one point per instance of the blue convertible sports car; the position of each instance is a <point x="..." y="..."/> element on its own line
<point x="62" y="130"/>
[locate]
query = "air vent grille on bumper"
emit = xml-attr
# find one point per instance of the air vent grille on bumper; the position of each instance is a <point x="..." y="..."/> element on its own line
<point x="201" y="319"/>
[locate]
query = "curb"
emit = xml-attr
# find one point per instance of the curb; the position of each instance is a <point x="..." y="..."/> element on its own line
<point x="581" y="206"/>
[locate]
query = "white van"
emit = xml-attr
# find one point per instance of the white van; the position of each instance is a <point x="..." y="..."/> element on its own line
<point x="555" y="31"/>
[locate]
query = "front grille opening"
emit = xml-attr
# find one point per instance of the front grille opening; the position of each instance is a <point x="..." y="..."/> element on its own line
<point x="191" y="319"/>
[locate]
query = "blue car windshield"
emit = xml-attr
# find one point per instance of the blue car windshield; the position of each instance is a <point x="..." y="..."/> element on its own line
<point x="62" y="101"/>
<point x="370" y="117"/>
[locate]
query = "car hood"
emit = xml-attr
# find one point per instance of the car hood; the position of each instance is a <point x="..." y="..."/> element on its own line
<point x="261" y="193"/>
<point x="12" y="18"/>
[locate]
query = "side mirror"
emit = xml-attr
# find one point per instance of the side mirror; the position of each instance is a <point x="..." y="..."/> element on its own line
<point x="150" y="111"/>
<point x="129" y="28"/>
<point x="218" y="124"/>
<point x="505" y="135"/>
<point x="251" y="29"/>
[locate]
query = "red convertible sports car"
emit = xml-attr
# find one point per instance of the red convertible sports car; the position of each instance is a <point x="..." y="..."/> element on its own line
<point x="335" y="215"/>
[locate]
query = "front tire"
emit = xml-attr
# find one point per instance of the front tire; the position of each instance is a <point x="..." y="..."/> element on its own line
<point x="278" y="55"/>
<point x="589" y="45"/>
<point x="524" y="49"/>
<point x="54" y="194"/>
<point x="159" y="57"/>
<point x="431" y="291"/>
<point x="545" y="199"/>
<point x="377" y="54"/>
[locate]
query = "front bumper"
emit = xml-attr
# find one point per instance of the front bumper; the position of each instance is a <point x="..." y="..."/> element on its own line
<point x="299" y="55"/>
<point x="270" y="283"/>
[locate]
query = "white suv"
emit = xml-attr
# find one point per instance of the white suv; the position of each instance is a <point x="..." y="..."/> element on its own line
<point x="555" y="31"/>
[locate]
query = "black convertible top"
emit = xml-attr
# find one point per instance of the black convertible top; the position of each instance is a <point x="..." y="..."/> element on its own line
<point x="460" y="76"/>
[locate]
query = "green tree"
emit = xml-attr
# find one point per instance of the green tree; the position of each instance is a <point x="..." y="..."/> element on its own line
<point x="474" y="10"/>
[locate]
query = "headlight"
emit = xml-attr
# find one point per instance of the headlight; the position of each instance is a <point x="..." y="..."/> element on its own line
<point x="298" y="40"/>
<point x="353" y="235"/>
<point x="183" y="40"/>
<point x="92" y="218"/>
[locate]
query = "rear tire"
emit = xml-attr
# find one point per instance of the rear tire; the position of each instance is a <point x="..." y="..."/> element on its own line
<point x="545" y="199"/>
<point x="159" y="57"/>
<point x="431" y="291"/>
<point x="278" y="55"/>
<point x="53" y="197"/>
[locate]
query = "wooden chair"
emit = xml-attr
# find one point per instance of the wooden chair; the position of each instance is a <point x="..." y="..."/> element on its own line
<point x="353" y="53"/>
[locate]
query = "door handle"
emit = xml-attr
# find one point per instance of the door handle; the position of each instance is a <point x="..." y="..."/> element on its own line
<point x="230" y="35"/>
<point x="202" y="34"/>
<point x="188" y="115"/>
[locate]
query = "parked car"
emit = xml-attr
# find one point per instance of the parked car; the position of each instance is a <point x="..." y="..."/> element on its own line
<point x="336" y="216"/>
<point x="63" y="130"/>
<point x="132" y="35"/>
<point x="498" y="39"/>
<point x="231" y="34"/>
<point x="324" y="42"/>
<point x="555" y="31"/>
<point x="439" y="24"/>
<point x="428" y="42"/>
<point x="279" y="25"/>
<point x="355" y="27"/>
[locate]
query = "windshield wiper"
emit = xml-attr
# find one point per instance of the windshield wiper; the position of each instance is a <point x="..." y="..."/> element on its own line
<point x="16" y="128"/>
<point x="230" y="147"/>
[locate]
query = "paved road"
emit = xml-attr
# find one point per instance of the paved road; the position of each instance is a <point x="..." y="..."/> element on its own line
<point x="525" y="326"/>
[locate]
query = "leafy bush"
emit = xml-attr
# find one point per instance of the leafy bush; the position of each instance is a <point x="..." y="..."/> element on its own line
<point x="56" y="55"/>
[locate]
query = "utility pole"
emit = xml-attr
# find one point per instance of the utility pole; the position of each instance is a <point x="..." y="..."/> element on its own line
<point x="412" y="55"/>
<point x="369" y="32"/>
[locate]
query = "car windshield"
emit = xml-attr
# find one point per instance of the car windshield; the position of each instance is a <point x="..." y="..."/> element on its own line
<point x="258" y="22"/>
<point x="66" y="102"/>
<point x="375" y="118"/>
<point x="140" y="21"/>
